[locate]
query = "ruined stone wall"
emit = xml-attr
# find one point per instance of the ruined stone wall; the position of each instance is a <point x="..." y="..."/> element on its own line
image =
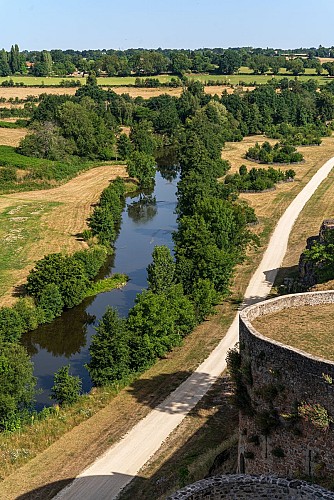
<point x="239" y="487"/>
<point x="276" y="379"/>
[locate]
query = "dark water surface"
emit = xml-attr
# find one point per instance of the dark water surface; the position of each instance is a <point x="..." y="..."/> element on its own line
<point x="147" y="220"/>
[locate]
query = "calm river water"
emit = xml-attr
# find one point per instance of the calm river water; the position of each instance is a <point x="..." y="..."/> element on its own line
<point x="147" y="220"/>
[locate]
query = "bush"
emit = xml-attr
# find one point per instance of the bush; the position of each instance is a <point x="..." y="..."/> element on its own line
<point x="66" y="388"/>
<point x="50" y="302"/>
<point x="11" y="324"/>
<point x="257" y="179"/>
<point x="92" y="260"/>
<point x="279" y="153"/>
<point x="30" y="316"/>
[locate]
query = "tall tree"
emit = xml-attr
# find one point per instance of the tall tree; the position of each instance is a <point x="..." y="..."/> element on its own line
<point x="160" y="273"/>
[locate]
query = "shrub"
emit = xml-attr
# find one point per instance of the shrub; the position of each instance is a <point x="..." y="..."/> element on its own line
<point x="316" y="414"/>
<point x="29" y="314"/>
<point x="50" y="302"/>
<point x="279" y="153"/>
<point x="11" y="324"/>
<point x="66" y="388"/>
<point x="92" y="260"/>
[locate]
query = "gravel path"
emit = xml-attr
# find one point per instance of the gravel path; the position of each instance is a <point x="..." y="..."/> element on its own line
<point x="106" y="477"/>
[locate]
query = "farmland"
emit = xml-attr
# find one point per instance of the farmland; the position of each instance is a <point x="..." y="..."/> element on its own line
<point x="35" y="223"/>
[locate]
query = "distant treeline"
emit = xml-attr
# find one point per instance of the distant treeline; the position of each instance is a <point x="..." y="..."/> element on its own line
<point x="143" y="62"/>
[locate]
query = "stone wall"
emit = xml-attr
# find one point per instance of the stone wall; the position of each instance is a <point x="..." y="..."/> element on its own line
<point x="277" y="380"/>
<point x="239" y="487"/>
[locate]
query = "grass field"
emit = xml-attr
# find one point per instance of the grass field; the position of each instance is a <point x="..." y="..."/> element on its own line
<point x="245" y="74"/>
<point x="309" y="328"/>
<point x="20" y="229"/>
<point x="68" y="207"/>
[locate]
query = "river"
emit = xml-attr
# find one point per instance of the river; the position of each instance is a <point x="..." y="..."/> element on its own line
<point x="147" y="220"/>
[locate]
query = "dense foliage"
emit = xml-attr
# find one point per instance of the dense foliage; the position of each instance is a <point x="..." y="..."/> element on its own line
<point x="211" y="239"/>
<point x="321" y="257"/>
<point x="307" y="135"/>
<point x="257" y="179"/>
<point x="66" y="388"/>
<point x="144" y="62"/>
<point x="279" y="153"/>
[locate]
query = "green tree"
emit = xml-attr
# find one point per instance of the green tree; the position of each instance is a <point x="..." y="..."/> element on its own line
<point x="66" y="388"/>
<point x="229" y="62"/>
<point x="50" y="302"/>
<point x="161" y="320"/>
<point x="11" y="325"/>
<point x="124" y="147"/>
<point x="28" y="312"/>
<point x="160" y="273"/>
<point x="142" y="166"/>
<point x="14" y="59"/>
<point x="65" y="272"/>
<point x="142" y="137"/>
<point x="204" y="297"/>
<point x="109" y="350"/>
<point x="4" y="65"/>
<point x="102" y="224"/>
<point x="46" y="60"/>
<point x="17" y="384"/>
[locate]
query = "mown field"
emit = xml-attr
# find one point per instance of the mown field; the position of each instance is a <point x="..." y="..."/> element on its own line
<point x="35" y="223"/>
<point x="101" y="418"/>
<point x="244" y="74"/>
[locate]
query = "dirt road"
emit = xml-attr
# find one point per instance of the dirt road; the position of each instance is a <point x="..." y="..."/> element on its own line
<point x="114" y="470"/>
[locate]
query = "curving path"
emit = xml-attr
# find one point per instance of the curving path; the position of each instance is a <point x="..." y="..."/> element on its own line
<point x="115" y="469"/>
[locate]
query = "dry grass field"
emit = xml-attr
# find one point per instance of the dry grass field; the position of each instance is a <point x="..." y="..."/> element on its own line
<point x="12" y="136"/>
<point x="59" y="226"/>
<point x="24" y="92"/>
<point x="309" y="328"/>
<point x="146" y="93"/>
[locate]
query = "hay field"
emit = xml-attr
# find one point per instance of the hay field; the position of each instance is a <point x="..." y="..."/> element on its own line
<point x="23" y="92"/>
<point x="146" y="93"/>
<point x="12" y="136"/>
<point x="68" y="207"/>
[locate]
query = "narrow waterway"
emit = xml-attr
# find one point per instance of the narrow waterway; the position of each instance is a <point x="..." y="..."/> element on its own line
<point x="147" y="220"/>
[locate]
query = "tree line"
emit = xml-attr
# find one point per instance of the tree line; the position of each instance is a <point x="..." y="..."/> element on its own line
<point x="148" y="62"/>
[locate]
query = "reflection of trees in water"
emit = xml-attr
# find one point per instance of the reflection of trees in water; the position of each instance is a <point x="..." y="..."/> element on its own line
<point x="168" y="164"/>
<point x="169" y="172"/>
<point x="65" y="336"/>
<point x="144" y="209"/>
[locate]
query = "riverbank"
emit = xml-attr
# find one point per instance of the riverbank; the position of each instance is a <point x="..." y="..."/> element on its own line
<point x="133" y="403"/>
